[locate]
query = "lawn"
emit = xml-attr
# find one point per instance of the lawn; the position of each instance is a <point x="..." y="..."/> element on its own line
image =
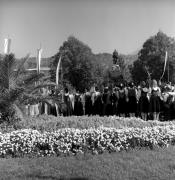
<point x="158" y="164"/>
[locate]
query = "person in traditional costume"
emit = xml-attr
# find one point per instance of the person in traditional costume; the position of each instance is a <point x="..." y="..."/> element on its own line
<point x="132" y="100"/>
<point x="166" y="99"/>
<point x="78" y="106"/>
<point x="67" y="102"/>
<point x="122" y="101"/>
<point x="88" y="103"/>
<point x="72" y="99"/>
<point x="107" y="102"/>
<point x="155" y="101"/>
<point x="143" y="103"/>
<point x="114" y="99"/>
<point x="98" y="105"/>
<point x="52" y="107"/>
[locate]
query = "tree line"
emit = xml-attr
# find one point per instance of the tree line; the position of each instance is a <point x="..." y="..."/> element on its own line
<point x="81" y="68"/>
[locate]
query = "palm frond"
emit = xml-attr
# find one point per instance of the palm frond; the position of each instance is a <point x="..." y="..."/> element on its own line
<point x="32" y="78"/>
<point x="20" y="69"/>
<point x="36" y="98"/>
<point x="40" y="86"/>
<point x="19" y="87"/>
<point x="18" y="111"/>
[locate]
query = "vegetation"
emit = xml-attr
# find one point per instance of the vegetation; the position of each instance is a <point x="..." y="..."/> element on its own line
<point x="51" y="123"/>
<point x="83" y="136"/>
<point x="81" y="68"/>
<point x="151" y="59"/>
<point x="31" y="63"/>
<point x="76" y="64"/>
<point x="18" y="87"/>
<point x="148" y="63"/>
<point x="158" y="164"/>
<point x="137" y="66"/>
<point x="66" y="141"/>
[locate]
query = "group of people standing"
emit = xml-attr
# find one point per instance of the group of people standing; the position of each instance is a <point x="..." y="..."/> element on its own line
<point x="126" y="101"/>
<point x="145" y="101"/>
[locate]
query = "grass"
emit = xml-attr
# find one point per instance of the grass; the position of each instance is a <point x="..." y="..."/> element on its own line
<point x="52" y="123"/>
<point x="142" y="164"/>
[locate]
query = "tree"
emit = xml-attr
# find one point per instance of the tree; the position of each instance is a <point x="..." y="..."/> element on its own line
<point x="76" y="64"/>
<point x="81" y="68"/>
<point x="18" y="87"/>
<point x="152" y="56"/>
<point x="138" y="72"/>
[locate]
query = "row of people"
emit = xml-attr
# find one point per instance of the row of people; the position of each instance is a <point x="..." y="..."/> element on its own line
<point x="143" y="101"/>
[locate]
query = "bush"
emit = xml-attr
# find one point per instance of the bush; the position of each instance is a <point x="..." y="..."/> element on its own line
<point x="51" y="123"/>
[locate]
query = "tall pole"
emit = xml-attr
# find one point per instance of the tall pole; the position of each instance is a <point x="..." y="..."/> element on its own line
<point x="58" y="71"/>
<point x="168" y="72"/>
<point x="7" y="43"/>
<point x="39" y="52"/>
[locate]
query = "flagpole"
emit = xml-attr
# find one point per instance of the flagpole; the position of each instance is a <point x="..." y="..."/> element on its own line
<point x="7" y="43"/>
<point x="59" y="66"/>
<point x="166" y="59"/>
<point x="168" y="72"/>
<point x="58" y="70"/>
<point x="39" y="51"/>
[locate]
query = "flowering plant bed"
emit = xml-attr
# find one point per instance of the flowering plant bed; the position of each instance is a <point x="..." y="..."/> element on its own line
<point x="28" y="142"/>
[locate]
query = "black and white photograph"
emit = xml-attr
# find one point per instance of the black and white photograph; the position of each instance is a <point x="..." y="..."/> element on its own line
<point x="87" y="89"/>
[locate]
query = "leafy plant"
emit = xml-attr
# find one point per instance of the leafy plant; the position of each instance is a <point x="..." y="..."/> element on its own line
<point x="19" y="87"/>
<point x="151" y="59"/>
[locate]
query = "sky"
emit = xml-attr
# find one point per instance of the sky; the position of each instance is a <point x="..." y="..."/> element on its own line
<point x="104" y="25"/>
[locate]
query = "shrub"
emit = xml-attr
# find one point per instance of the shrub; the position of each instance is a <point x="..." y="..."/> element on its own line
<point x="52" y="123"/>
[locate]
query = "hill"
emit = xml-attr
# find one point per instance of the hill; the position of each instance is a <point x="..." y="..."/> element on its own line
<point x="105" y="59"/>
<point x="130" y="58"/>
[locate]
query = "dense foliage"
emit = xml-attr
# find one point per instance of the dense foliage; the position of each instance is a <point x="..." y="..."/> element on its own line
<point x="76" y="63"/>
<point x="18" y="87"/>
<point x="81" y="68"/>
<point x="146" y="63"/>
<point x="151" y="59"/>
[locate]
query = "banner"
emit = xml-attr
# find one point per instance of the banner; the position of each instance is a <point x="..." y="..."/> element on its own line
<point x="166" y="57"/>
<point x="7" y="43"/>
<point x="39" y="52"/>
<point x="57" y="71"/>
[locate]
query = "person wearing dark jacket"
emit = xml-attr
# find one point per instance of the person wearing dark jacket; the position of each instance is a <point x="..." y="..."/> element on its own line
<point x="78" y="106"/>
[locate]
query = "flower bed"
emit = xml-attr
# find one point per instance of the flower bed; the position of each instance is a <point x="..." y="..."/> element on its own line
<point x="71" y="141"/>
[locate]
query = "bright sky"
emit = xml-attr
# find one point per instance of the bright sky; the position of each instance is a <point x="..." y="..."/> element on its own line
<point x="104" y="25"/>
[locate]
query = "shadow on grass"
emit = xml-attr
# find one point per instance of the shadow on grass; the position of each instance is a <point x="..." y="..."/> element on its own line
<point x="53" y="178"/>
